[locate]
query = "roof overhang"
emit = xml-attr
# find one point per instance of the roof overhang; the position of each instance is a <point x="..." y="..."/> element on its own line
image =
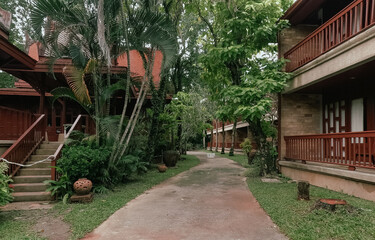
<point x="301" y="9"/>
<point x="12" y="57"/>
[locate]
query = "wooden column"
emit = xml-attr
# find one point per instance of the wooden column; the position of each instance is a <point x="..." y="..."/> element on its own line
<point x="42" y="100"/>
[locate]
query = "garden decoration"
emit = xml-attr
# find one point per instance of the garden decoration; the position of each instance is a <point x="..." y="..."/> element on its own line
<point x="82" y="186"/>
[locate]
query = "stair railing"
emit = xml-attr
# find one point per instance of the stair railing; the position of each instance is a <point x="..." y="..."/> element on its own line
<point x="77" y="125"/>
<point x="25" y="145"/>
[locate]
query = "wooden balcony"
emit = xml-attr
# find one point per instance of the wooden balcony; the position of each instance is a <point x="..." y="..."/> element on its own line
<point x="352" y="20"/>
<point x="352" y="149"/>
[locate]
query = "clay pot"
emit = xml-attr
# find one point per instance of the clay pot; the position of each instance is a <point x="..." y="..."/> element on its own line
<point x="82" y="186"/>
<point x="162" y="168"/>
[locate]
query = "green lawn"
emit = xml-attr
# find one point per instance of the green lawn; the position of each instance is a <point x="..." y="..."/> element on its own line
<point x="299" y="220"/>
<point x="83" y="218"/>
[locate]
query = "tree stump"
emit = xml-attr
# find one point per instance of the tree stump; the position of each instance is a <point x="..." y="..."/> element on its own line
<point x="303" y="190"/>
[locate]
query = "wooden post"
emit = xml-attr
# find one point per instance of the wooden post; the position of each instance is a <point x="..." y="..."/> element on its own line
<point x="42" y="101"/>
<point x="303" y="190"/>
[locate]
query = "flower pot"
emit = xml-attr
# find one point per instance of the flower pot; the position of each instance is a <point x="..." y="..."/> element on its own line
<point x="82" y="186"/>
<point x="162" y="168"/>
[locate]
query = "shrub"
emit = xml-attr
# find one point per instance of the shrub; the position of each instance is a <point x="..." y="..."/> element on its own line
<point x="63" y="188"/>
<point x="5" y="191"/>
<point x="125" y="168"/>
<point x="170" y="158"/>
<point x="84" y="161"/>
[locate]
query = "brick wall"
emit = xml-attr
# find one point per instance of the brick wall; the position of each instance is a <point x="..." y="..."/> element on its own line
<point x="301" y="114"/>
<point x="289" y="37"/>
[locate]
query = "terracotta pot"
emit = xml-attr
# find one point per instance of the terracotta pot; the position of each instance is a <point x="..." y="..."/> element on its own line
<point x="162" y="168"/>
<point x="82" y="186"/>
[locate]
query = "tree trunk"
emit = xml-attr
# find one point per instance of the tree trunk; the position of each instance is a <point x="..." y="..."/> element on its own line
<point x="223" y="145"/>
<point x="217" y="137"/>
<point x="212" y="138"/>
<point x="231" y="152"/>
<point x="204" y="139"/>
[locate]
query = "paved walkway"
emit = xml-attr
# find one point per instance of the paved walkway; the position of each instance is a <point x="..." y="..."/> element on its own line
<point x="210" y="201"/>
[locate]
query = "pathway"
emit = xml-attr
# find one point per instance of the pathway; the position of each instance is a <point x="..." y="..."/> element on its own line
<point x="210" y="201"/>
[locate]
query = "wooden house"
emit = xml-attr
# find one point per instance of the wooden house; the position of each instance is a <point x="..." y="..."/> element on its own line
<point x="31" y="129"/>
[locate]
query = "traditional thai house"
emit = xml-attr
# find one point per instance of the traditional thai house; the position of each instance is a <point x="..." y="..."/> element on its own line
<point x="31" y="129"/>
<point x="327" y="110"/>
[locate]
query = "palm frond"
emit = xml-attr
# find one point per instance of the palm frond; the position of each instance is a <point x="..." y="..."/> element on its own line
<point x="63" y="92"/>
<point x="76" y="81"/>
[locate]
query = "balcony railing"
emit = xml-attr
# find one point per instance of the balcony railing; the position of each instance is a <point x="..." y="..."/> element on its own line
<point x="13" y="123"/>
<point x="353" y="149"/>
<point x="355" y="18"/>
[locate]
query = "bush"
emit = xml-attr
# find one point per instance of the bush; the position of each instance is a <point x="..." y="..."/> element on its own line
<point x="5" y="191"/>
<point x="170" y="158"/>
<point x="83" y="161"/>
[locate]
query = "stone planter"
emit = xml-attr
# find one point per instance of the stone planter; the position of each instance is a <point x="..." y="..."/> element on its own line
<point x="82" y="186"/>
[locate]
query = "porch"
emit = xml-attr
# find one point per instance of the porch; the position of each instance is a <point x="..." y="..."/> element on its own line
<point x="338" y="161"/>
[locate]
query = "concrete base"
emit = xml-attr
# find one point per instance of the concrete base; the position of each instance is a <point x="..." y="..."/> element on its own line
<point x="4" y="145"/>
<point x="356" y="183"/>
<point x="82" y="198"/>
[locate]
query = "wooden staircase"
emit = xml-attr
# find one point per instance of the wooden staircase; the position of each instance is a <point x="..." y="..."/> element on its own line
<point x="28" y="184"/>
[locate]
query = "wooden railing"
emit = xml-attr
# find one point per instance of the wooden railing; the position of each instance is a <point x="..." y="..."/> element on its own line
<point x="25" y="145"/>
<point x="13" y="123"/>
<point x="353" y="149"/>
<point x="353" y="19"/>
<point x="82" y="120"/>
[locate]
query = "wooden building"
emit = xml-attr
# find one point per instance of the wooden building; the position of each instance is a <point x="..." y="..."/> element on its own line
<point x="327" y="110"/>
<point x="31" y="129"/>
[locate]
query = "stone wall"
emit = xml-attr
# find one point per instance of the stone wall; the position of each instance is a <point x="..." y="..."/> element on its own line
<point x="300" y="114"/>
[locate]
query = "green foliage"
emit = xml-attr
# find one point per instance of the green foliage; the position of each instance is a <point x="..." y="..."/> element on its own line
<point x="246" y="145"/>
<point x="83" y="161"/>
<point x="5" y="180"/>
<point x="6" y="80"/>
<point x="63" y="188"/>
<point x="125" y="169"/>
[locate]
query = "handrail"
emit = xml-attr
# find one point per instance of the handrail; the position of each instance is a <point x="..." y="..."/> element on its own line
<point x="25" y="145"/>
<point x="57" y="155"/>
<point x="353" y="149"/>
<point x="353" y="19"/>
<point x="20" y="122"/>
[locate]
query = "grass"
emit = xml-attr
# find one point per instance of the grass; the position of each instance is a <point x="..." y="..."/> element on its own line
<point x="15" y="225"/>
<point x="299" y="220"/>
<point x="83" y="218"/>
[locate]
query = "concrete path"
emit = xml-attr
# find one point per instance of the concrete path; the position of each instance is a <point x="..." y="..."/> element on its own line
<point x="210" y="201"/>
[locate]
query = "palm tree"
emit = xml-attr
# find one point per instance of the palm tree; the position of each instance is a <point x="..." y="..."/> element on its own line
<point x="93" y="33"/>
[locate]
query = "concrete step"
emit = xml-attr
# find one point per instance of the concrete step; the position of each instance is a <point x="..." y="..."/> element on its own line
<point x="50" y="145"/>
<point x="29" y="187"/>
<point x="30" y="171"/>
<point x="45" y="164"/>
<point x="31" y="196"/>
<point x="39" y="157"/>
<point x="31" y="179"/>
<point x="47" y="151"/>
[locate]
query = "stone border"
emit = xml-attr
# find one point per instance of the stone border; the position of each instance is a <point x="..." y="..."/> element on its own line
<point x="345" y="174"/>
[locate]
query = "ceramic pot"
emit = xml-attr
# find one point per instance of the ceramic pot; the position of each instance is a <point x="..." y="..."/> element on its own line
<point x="162" y="168"/>
<point x="82" y="186"/>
